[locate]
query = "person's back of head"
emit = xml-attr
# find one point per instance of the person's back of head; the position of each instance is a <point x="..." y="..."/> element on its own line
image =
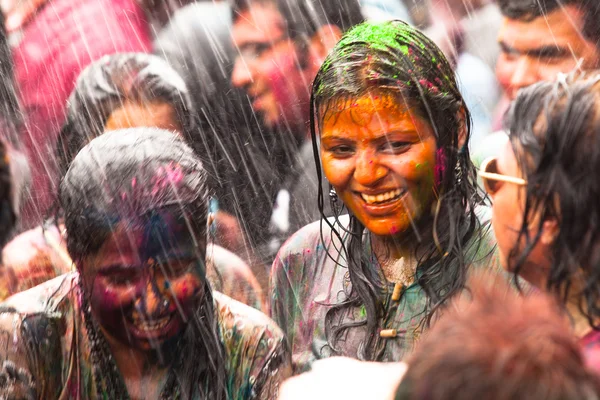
<point x="499" y="346"/>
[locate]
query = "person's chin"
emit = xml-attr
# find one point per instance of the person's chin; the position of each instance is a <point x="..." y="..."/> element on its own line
<point x="145" y="339"/>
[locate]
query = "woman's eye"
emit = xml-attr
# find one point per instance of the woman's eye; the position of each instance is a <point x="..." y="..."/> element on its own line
<point x="342" y="150"/>
<point x="395" y="147"/>
<point x="124" y="277"/>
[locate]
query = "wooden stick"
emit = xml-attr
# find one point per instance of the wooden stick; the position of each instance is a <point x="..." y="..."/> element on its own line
<point x="388" y="333"/>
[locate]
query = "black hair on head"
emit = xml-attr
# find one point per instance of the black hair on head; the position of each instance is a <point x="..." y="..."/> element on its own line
<point x="128" y="174"/>
<point x="393" y="58"/>
<point x="555" y="135"/>
<point x="7" y="212"/>
<point x="106" y="84"/>
<point x="528" y="10"/>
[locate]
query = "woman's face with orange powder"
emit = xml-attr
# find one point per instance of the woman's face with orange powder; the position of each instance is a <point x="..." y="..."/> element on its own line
<point x="380" y="158"/>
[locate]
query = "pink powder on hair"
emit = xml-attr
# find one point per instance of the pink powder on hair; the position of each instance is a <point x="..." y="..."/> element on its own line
<point x="440" y="166"/>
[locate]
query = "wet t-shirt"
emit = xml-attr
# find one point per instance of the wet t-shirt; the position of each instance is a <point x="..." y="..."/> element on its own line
<point x="310" y="278"/>
<point x="45" y="346"/>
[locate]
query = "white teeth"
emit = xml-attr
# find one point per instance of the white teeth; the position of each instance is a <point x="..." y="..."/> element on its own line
<point x="153" y="325"/>
<point x="380" y="198"/>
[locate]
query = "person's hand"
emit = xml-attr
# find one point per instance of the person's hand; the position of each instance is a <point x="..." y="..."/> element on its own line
<point x="345" y="378"/>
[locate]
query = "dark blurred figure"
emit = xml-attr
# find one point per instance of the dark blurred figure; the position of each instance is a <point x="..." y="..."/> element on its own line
<point x="14" y="170"/>
<point x="238" y="151"/>
<point x="281" y="45"/>
<point x="498" y="345"/>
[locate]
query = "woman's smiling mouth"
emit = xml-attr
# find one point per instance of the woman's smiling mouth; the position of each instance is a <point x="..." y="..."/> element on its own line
<point x="384" y="197"/>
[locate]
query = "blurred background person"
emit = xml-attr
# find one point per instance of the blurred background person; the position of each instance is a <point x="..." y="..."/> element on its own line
<point x="281" y="45"/>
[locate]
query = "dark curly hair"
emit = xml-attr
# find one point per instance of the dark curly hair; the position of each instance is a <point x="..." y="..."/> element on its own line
<point x="396" y="59"/>
<point x="527" y="10"/>
<point x="555" y="135"/>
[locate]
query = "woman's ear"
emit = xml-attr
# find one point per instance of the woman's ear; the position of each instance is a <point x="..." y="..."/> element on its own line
<point x="322" y="42"/>
<point x="550" y="231"/>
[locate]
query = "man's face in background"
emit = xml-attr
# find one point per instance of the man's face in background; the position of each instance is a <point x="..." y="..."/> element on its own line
<point x="543" y="47"/>
<point x="270" y="67"/>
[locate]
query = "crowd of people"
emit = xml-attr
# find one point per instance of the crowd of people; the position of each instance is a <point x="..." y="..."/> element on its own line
<point x="285" y="199"/>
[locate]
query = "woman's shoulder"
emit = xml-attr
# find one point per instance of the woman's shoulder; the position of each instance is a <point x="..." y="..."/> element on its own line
<point x="315" y="237"/>
<point x="232" y="276"/>
<point x="31" y="258"/>
<point x="240" y="322"/>
<point x="49" y="297"/>
<point x="257" y="355"/>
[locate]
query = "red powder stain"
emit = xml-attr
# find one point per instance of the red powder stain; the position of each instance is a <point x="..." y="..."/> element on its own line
<point x="394" y="229"/>
<point x="185" y="290"/>
<point x="440" y="166"/>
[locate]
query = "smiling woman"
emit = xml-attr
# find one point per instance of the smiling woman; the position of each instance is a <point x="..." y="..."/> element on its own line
<point x="390" y="130"/>
<point x="138" y="319"/>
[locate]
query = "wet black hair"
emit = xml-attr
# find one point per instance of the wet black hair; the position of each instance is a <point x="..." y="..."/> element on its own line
<point x="527" y="10"/>
<point x="8" y="218"/>
<point x="106" y="84"/>
<point x="129" y="174"/>
<point x="393" y="58"/>
<point x="555" y="135"/>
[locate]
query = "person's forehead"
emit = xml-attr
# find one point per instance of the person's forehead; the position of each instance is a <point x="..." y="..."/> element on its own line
<point x="260" y="23"/>
<point x="561" y="27"/>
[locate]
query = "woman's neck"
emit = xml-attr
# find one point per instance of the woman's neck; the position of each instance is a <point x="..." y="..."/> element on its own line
<point x="395" y="255"/>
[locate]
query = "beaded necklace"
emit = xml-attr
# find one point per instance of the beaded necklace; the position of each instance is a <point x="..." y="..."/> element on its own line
<point x="109" y="382"/>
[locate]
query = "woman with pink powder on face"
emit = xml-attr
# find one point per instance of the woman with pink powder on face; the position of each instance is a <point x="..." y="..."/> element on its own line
<point x="138" y="318"/>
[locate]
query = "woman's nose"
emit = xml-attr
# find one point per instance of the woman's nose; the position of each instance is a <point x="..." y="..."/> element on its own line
<point x="368" y="170"/>
<point x="154" y="299"/>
